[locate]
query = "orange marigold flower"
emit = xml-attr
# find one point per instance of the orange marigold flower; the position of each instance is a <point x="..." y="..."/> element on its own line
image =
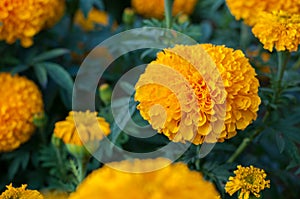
<point x="20" y="101"/>
<point x="22" y="19"/>
<point x="155" y="8"/>
<point x="81" y="129"/>
<point x="248" y="9"/>
<point x="248" y="180"/>
<point x="95" y="17"/>
<point x="174" y="181"/>
<point x="278" y="29"/>
<point x="183" y="116"/>
<point x="20" y="193"/>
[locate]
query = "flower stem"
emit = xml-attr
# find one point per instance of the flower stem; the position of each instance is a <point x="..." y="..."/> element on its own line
<point x="283" y="58"/>
<point x="82" y="168"/>
<point x="244" y="36"/>
<point x="168" y="12"/>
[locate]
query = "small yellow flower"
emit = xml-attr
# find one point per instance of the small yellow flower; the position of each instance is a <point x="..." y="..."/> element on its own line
<point x="81" y="131"/>
<point x="155" y="8"/>
<point x="248" y="180"/>
<point x="175" y="181"/>
<point x="20" y="101"/>
<point x="172" y="110"/>
<point x="20" y="193"/>
<point x="22" y="19"/>
<point x="278" y="29"/>
<point x="249" y="9"/>
<point x="95" y="17"/>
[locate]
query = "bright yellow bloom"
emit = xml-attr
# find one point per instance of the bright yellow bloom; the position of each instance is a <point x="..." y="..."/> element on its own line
<point x="20" y="193"/>
<point x="22" y="19"/>
<point x="155" y="8"/>
<point x="55" y="194"/>
<point x="175" y="181"/>
<point x="95" y="17"/>
<point x="249" y="9"/>
<point x="91" y="128"/>
<point x="278" y="29"/>
<point x="185" y="116"/>
<point x="248" y="180"/>
<point x="20" y="101"/>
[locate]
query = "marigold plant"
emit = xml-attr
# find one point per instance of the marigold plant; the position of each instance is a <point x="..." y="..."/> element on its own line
<point x="155" y="8"/>
<point x="173" y="181"/>
<point x="278" y="29"/>
<point x="249" y="9"/>
<point x="20" y="101"/>
<point x="191" y="120"/>
<point x="249" y="180"/>
<point x="20" y="193"/>
<point x="23" y="19"/>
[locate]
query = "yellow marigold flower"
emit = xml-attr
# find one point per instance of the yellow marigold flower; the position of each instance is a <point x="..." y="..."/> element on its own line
<point x="83" y="122"/>
<point x="248" y="180"/>
<point x="95" y="17"/>
<point x="175" y="181"/>
<point x="22" y="19"/>
<point x="155" y="8"/>
<point x="248" y="9"/>
<point x="20" y="101"/>
<point x="54" y="194"/>
<point x="192" y="119"/>
<point x="278" y="29"/>
<point x="20" y="193"/>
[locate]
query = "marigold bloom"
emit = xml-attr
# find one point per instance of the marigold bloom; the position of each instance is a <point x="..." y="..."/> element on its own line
<point x="278" y="29"/>
<point x="95" y="17"/>
<point x="20" y="193"/>
<point x="248" y="9"/>
<point x="22" y="19"/>
<point x="20" y="101"/>
<point x="247" y="180"/>
<point x="192" y="119"/>
<point x="89" y="131"/>
<point x="155" y="8"/>
<point x="174" y="181"/>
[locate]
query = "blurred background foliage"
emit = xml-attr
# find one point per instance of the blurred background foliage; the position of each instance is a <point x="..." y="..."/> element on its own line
<point x="58" y="53"/>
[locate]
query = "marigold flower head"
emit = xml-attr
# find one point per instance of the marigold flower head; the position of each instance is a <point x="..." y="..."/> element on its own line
<point x="248" y="9"/>
<point x="81" y="128"/>
<point x="155" y="8"/>
<point x="170" y="107"/>
<point x="278" y="29"/>
<point x="20" y="193"/>
<point x="95" y="17"/>
<point x="248" y="180"/>
<point x="22" y="19"/>
<point x="174" y="181"/>
<point x="20" y="101"/>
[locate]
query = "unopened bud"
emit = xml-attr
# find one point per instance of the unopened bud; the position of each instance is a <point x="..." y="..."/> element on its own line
<point x="128" y="16"/>
<point x="105" y="93"/>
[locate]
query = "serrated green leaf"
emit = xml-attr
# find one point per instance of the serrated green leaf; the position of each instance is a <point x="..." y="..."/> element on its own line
<point x="41" y="74"/>
<point x="49" y="55"/>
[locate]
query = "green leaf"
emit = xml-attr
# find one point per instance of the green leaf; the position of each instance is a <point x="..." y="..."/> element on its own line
<point x="59" y="75"/>
<point x="280" y="142"/>
<point x="50" y="54"/>
<point x="86" y="6"/>
<point x="41" y="74"/>
<point x="18" y="69"/>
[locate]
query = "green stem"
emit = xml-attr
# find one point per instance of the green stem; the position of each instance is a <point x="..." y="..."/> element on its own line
<point x="82" y="168"/>
<point x="244" y="36"/>
<point x="168" y="12"/>
<point x="283" y="58"/>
